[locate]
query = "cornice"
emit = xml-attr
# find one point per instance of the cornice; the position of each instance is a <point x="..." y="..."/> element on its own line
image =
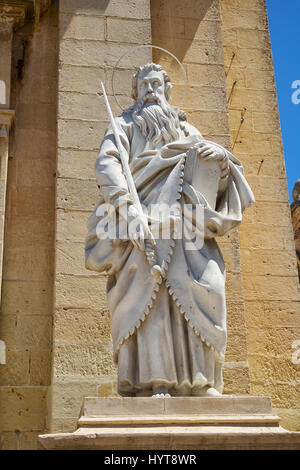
<point x="16" y="12"/>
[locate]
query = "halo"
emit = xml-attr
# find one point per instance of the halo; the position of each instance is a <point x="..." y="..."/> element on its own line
<point x="153" y="47"/>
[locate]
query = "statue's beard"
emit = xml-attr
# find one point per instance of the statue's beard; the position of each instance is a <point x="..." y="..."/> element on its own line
<point x="158" y="122"/>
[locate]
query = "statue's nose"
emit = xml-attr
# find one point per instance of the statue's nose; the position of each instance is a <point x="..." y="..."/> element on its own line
<point x="149" y="89"/>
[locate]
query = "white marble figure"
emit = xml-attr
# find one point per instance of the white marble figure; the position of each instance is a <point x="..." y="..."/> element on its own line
<point x="169" y="332"/>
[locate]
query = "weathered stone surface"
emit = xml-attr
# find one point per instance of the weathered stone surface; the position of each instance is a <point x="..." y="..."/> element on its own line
<point x="28" y="440"/>
<point x="242" y="17"/>
<point x="76" y="194"/>
<point x="28" y="298"/>
<point x="36" y="264"/>
<point x="82" y="326"/>
<point x="262" y="213"/>
<point x="236" y="345"/>
<point x="210" y="122"/>
<point x="23" y="408"/>
<point x="123" y="30"/>
<point x="265" y="166"/>
<point x="289" y="418"/>
<point x="115" y="8"/>
<point x="80" y="292"/>
<point x="205" y="75"/>
<point x="71" y="225"/>
<point x="40" y="367"/>
<point x="108" y="389"/>
<point x="9" y="440"/>
<point x="77" y="164"/>
<point x="25" y="331"/>
<point x="82" y="27"/>
<point x="270" y="287"/>
<point x="81" y="134"/>
<point x="208" y="10"/>
<point x="70" y="258"/>
<point x="277" y="369"/>
<point x="95" y="53"/>
<point x="81" y="79"/>
<point x="274" y="312"/>
<point x="257" y="236"/>
<point x="266" y="262"/>
<point x="236" y="379"/>
<point x="83" y="361"/>
<point x="269" y="345"/>
<point x="203" y="98"/>
<point x="85" y="107"/>
<point x="68" y="396"/>
<point x="16" y="369"/>
<point x="284" y="395"/>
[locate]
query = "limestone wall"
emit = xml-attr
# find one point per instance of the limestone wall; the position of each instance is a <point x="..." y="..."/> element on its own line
<point x="27" y="286"/>
<point x="226" y="54"/>
<point x="270" y="280"/>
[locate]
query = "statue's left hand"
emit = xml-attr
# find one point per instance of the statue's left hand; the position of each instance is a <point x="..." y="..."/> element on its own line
<point x="210" y="151"/>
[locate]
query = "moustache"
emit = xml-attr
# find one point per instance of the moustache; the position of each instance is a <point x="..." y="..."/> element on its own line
<point x="150" y="97"/>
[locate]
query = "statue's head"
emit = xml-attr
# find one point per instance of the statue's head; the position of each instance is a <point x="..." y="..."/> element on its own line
<point x="296" y="191"/>
<point x="151" y="83"/>
<point x="153" y="113"/>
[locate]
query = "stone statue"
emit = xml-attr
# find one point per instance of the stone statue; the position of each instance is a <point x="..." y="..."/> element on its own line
<point x="296" y="191"/>
<point x="168" y="331"/>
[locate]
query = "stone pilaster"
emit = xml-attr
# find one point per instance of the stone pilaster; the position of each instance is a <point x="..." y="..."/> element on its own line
<point x="27" y="170"/>
<point x="7" y="21"/>
<point x="6" y="119"/>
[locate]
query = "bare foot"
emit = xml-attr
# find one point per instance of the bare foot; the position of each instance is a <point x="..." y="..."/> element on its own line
<point x="161" y="392"/>
<point x="206" y="392"/>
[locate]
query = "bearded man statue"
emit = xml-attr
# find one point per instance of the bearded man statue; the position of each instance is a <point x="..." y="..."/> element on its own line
<point x="169" y="332"/>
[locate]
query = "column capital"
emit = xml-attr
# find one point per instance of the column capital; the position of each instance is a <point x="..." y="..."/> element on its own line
<point x="12" y="13"/>
<point x="6" y="120"/>
<point x="16" y="12"/>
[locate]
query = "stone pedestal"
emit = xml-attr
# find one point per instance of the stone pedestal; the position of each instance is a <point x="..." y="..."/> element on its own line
<point x="228" y="422"/>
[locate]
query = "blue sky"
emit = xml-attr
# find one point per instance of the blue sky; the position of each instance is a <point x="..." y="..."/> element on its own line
<point x="285" y="31"/>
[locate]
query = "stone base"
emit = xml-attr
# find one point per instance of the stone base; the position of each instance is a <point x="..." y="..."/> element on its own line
<point x="228" y="422"/>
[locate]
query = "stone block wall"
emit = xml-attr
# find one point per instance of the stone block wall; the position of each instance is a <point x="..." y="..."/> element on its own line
<point x="269" y="271"/>
<point x="60" y="122"/>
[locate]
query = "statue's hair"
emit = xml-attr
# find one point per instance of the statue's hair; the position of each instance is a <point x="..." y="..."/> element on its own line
<point x="148" y="68"/>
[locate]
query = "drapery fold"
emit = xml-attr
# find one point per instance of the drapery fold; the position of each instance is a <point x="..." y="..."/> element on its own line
<point x="195" y="278"/>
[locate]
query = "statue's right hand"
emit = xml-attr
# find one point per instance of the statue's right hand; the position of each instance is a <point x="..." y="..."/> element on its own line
<point x="138" y="228"/>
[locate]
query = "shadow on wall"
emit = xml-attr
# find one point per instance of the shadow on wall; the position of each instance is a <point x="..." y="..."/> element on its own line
<point x="176" y="25"/>
<point x="99" y="9"/>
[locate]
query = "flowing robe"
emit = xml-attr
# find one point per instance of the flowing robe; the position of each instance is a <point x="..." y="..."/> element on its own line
<point x="173" y="333"/>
